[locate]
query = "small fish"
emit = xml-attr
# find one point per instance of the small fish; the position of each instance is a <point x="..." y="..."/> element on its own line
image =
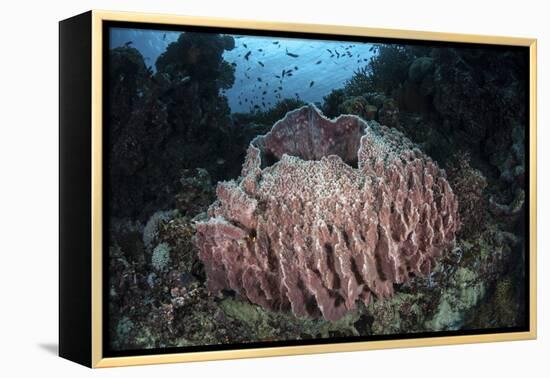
<point x="248" y="69"/>
<point x="245" y="46"/>
<point x="311" y="84"/>
<point x="295" y="68"/>
<point x="247" y="55"/>
<point x="283" y="73"/>
<point x="164" y="37"/>
<point x="256" y="107"/>
<point x="259" y="79"/>
<point x="319" y="62"/>
<point x="289" y="74"/>
<point x="127" y="44"/>
<point x="185" y="79"/>
<point x="277" y="76"/>
<point x="263" y="104"/>
<point x="276" y="42"/>
<point x="234" y="64"/>
<point x="220" y="161"/>
<point x="260" y="50"/>
<point x="264" y="92"/>
<point x="280" y="88"/>
<point x="261" y="64"/>
<point x="330" y="51"/>
<point x="337" y="53"/>
<point x="291" y="54"/>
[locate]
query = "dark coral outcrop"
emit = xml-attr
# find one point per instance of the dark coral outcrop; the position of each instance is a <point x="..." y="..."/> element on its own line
<point x="326" y="213"/>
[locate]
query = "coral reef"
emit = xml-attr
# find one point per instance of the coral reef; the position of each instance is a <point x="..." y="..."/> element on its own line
<point x="311" y="233"/>
<point x="172" y="139"/>
<point x="162" y="122"/>
<point x="359" y="106"/>
<point x="468" y="184"/>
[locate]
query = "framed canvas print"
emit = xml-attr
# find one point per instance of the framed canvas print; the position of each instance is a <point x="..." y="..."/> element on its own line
<point x="234" y="189"/>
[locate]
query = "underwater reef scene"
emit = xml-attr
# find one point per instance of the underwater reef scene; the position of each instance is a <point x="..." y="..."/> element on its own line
<point x="269" y="189"/>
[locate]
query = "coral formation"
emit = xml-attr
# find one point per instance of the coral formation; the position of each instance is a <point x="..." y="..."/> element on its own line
<point x="303" y="229"/>
<point x="172" y="138"/>
<point x="468" y="184"/>
<point x="163" y="122"/>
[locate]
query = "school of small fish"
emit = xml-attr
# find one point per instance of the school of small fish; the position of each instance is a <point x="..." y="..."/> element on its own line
<point x="258" y="98"/>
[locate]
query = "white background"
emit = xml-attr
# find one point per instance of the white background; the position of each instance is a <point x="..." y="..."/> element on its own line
<point x="29" y="174"/>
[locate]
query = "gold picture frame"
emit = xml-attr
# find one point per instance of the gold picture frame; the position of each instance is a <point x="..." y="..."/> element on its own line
<point x="96" y="358"/>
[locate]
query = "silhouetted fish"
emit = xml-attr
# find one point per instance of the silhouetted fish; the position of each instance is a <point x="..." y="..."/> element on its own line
<point x="127" y="44"/>
<point x="264" y="92"/>
<point x="245" y="46"/>
<point x="319" y="62"/>
<point x="234" y="64"/>
<point x="259" y="79"/>
<point x="296" y="68"/>
<point x="277" y="76"/>
<point x="260" y="50"/>
<point x="247" y="55"/>
<point x="291" y="54"/>
<point x="311" y="84"/>
<point x="260" y="63"/>
<point x="276" y="42"/>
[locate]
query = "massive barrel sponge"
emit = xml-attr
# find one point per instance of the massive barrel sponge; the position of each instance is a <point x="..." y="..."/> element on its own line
<point x="326" y="213"/>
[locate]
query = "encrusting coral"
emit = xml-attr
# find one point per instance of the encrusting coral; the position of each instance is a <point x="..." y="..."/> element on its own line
<point x="326" y="213"/>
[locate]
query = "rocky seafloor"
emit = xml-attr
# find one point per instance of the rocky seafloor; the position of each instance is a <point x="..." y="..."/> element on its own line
<point x="462" y="107"/>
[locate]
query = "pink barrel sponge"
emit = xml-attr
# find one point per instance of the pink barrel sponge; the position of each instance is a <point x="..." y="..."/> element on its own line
<point x="326" y="213"/>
